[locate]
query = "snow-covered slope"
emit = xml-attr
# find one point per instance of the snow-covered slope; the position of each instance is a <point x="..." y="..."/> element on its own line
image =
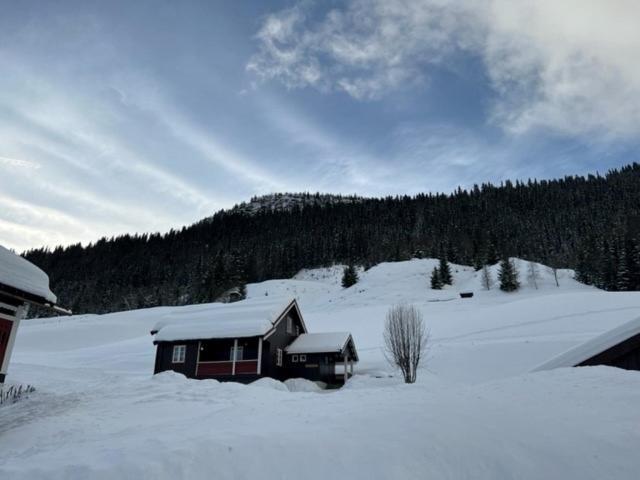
<point x="475" y="412"/>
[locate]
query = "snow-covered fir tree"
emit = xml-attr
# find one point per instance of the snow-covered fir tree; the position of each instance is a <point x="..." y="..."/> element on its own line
<point x="508" y="276"/>
<point x="445" y="272"/>
<point x="436" y="281"/>
<point x="349" y="276"/>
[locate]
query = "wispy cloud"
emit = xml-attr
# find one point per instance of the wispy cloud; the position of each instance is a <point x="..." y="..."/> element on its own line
<point x="15" y="162"/>
<point x="568" y="66"/>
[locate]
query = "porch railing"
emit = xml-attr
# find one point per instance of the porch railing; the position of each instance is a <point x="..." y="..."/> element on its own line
<point x="226" y="367"/>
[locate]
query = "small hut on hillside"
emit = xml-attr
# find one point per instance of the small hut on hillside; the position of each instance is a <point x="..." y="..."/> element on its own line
<point x="619" y="347"/>
<point x="250" y="339"/>
<point x="21" y="284"/>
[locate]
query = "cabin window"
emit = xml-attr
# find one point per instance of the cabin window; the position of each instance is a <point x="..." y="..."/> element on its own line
<point x="297" y="330"/>
<point x="239" y="353"/>
<point x="279" y="357"/>
<point x="289" y="325"/>
<point x="179" y="352"/>
<point x="294" y="358"/>
<point x="303" y="358"/>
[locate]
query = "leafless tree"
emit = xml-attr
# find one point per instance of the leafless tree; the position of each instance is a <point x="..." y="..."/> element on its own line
<point x="533" y="275"/>
<point x="405" y="339"/>
<point x="486" y="277"/>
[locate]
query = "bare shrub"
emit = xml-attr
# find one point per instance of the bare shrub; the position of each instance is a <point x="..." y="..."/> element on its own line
<point x="533" y="275"/>
<point x="405" y="339"/>
<point x="13" y="393"/>
<point x="486" y="277"/>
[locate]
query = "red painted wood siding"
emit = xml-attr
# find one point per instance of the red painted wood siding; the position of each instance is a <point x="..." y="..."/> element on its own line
<point x="212" y="369"/>
<point x="247" y="366"/>
<point x="215" y="368"/>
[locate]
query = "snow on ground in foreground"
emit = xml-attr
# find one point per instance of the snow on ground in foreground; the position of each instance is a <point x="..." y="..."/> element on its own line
<point x="475" y="412"/>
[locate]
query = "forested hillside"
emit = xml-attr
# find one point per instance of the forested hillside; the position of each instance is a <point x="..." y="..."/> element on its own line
<point x="589" y="223"/>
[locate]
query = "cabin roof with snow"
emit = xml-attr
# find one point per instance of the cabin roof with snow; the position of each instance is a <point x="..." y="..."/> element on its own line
<point x="19" y="277"/>
<point x="609" y="348"/>
<point x="327" y="342"/>
<point x="247" y="318"/>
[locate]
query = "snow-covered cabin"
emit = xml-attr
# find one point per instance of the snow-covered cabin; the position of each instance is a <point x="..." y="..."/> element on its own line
<point x="21" y="284"/>
<point x="250" y="339"/>
<point x="619" y="347"/>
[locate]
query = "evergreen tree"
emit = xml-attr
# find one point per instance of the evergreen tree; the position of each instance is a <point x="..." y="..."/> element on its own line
<point x="634" y="261"/>
<point x="508" y="276"/>
<point x="436" y="281"/>
<point x="445" y="272"/>
<point x="349" y="276"/>
<point x="623" y="277"/>
<point x="583" y="223"/>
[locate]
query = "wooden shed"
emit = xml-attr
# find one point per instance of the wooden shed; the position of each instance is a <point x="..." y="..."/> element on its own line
<point x="314" y="356"/>
<point x="619" y="347"/>
<point x="21" y="284"/>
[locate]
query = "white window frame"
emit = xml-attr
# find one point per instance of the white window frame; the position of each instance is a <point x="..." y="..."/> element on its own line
<point x="279" y="357"/>
<point x="294" y="358"/>
<point x="179" y="353"/>
<point x="289" y="324"/>
<point x="297" y="330"/>
<point x="303" y="358"/>
<point x="239" y="353"/>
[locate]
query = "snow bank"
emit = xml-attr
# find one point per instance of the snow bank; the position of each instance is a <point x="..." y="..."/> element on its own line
<point x="302" y="385"/>
<point x="21" y="274"/>
<point x="527" y="427"/>
<point x="270" y="383"/>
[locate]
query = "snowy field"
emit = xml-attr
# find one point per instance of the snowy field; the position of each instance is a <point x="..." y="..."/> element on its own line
<point x="476" y="411"/>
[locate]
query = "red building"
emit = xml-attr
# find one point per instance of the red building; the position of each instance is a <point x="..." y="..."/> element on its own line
<point x="21" y="284"/>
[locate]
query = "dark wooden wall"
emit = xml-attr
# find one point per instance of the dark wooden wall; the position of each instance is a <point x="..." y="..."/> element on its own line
<point x="164" y="355"/>
<point x="623" y="355"/>
<point x="280" y="338"/>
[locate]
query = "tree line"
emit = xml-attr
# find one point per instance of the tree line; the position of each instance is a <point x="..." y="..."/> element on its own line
<point x="590" y="223"/>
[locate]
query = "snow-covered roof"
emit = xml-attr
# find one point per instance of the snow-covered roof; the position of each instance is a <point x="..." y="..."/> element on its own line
<point x="247" y="318"/>
<point x="319" y="342"/>
<point x="592" y="347"/>
<point x="18" y="273"/>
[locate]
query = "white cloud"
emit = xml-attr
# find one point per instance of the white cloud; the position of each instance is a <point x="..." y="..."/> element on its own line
<point x="569" y="66"/>
<point x="18" y="163"/>
<point x="367" y="48"/>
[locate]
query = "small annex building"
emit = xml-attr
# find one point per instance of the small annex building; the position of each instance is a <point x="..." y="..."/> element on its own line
<point x="618" y="347"/>
<point x="250" y="339"/>
<point x="21" y="284"/>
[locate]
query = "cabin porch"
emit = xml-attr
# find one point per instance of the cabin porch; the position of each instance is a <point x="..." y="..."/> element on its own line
<point x="230" y="359"/>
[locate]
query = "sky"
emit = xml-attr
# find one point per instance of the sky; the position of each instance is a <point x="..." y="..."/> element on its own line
<point x="123" y="117"/>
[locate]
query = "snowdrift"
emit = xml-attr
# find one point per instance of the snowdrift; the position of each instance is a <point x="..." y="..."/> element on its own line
<point x="475" y="412"/>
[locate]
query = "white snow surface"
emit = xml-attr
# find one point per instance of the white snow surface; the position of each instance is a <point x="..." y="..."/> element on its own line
<point x="19" y="273"/>
<point x="476" y="410"/>
<point x="319" y="342"/>
<point x="592" y="347"/>
<point x="247" y="318"/>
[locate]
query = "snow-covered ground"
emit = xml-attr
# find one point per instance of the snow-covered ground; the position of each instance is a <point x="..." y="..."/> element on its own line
<point x="476" y="411"/>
